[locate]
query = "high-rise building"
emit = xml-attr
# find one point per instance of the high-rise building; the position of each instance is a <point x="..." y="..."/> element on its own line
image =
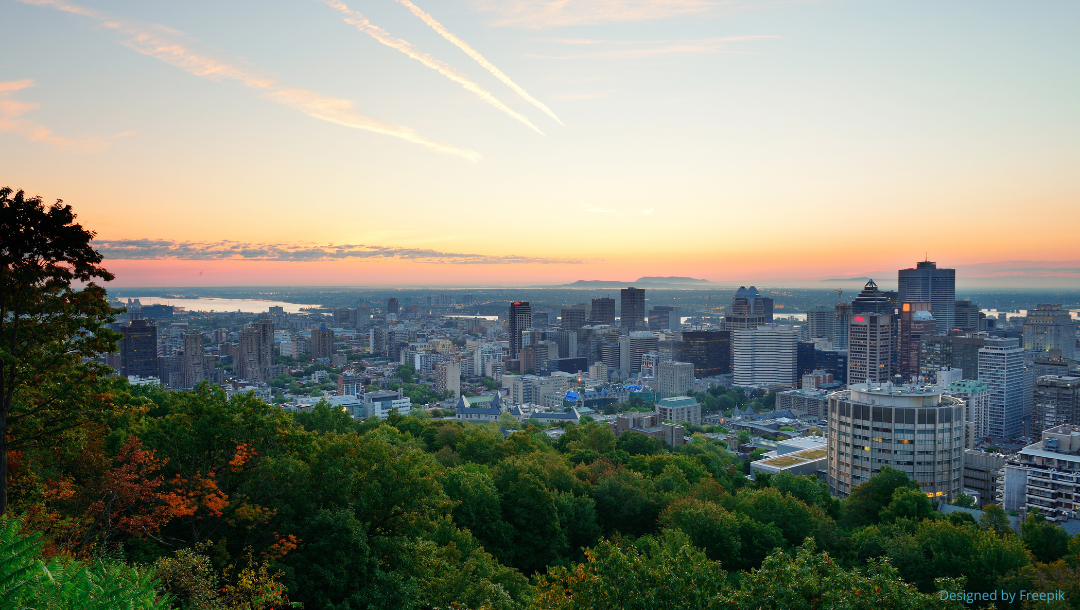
<point x="1047" y="476"/>
<point x="572" y="318"/>
<point x="633" y="308"/>
<point x="519" y="319"/>
<point x="664" y="317"/>
<point x="192" y="366"/>
<point x="1001" y="366"/>
<point x="603" y="311"/>
<point x="747" y="310"/>
<point x="916" y="430"/>
<point x="634" y="346"/>
<point x="767" y="308"/>
<point x="976" y="395"/>
<point x="765" y="356"/>
<point x="708" y="351"/>
<point x="256" y="351"/>
<point x="1050" y="327"/>
<point x="448" y="376"/>
<point x="804" y="359"/>
<point x="138" y="348"/>
<point x="833" y="361"/>
<point x="874" y="300"/>
<point x="928" y="284"/>
<point x="392" y="305"/>
<point x="675" y="378"/>
<point x="967" y="316"/>
<point x="870" y="348"/>
<point x="819" y="322"/>
<point x="679" y="410"/>
<point x="1056" y="402"/>
<point x="916" y="322"/>
<point x="322" y="342"/>
<point x="953" y="351"/>
<point x="841" y="324"/>
<point x="278" y="316"/>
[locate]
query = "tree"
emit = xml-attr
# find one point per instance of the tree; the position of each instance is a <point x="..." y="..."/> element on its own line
<point x="964" y="501"/>
<point x="1048" y="542"/>
<point x="907" y="503"/>
<point x="47" y="326"/>
<point x="995" y="520"/>
<point x="863" y="506"/>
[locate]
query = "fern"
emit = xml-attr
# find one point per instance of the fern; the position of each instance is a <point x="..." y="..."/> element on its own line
<point x="27" y="581"/>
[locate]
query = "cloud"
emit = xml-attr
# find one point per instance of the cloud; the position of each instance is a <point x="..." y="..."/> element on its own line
<point x="361" y="23"/>
<point x="558" y="13"/>
<point x="1069" y="269"/>
<point x="611" y="49"/>
<point x="158" y="249"/>
<point x="160" y="42"/>
<point x="646" y="212"/>
<point x="11" y="111"/>
<point x="461" y="44"/>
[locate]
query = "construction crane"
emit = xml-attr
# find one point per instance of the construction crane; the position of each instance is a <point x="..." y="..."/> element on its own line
<point x="838" y="293"/>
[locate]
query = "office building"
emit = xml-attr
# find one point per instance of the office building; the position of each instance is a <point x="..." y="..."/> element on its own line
<point x="192" y="366"/>
<point x="448" y="377"/>
<point x="747" y="310"/>
<point x="138" y="348"/>
<point x="804" y="359"/>
<point x="520" y="318"/>
<point x="1049" y="327"/>
<point x="976" y="395"/>
<point x="322" y="343"/>
<point x="256" y="351"/>
<point x="603" y="311"/>
<point x="382" y="403"/>
<point x="1001" y="366"/>
<point x="708" y="351"/>
<point x="982" y="471"/>
<point x="765" y="356"/>
<point x="955" y="352"/>
<point x="833" y="361"/>
<point x="928" y="284"/>
<point x="916" y="430"/>
<point x="1056" y="402"/>
<point x="819" y="322"/>
<point x="278" y="316"/>
<point x="675" y="378"/>
<point x="874" y="300"/>
<point x="767" y="308"/>
<point x="916" y="322"/>
<point x="665" y="317"/>
<point x="967" y="316"/>
<point x="633" y="308"/>
<point x="870" y="349"/>
<point x="680" y="410"/>
<point x="1047" y="476"/>
<point x="634" y="347"/>
<point x="841" y="324"/>
<point x="572" y="318"/>
<point x="392" y="305"/>
<point x="813" y="402"/>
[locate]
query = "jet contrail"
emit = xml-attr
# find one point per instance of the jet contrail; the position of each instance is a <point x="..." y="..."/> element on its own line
<point x="151" y="40"/>
<point x="354" y="18"/>
<point x="471" y="52"/>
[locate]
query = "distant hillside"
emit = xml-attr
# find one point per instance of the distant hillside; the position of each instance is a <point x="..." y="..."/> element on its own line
<point x="644" y="281"/>
<point x="671" y="280"/>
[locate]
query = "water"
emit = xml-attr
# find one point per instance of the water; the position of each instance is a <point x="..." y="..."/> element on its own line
<point x="211" y="304"/>
<point x="1020" y="313"/>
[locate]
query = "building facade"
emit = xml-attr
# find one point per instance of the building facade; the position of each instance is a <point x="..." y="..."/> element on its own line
<point x="138" y="349"/>
<point x="448" y="376"/>
<point x="870" y="348"/>
<point x="633" y="308"/>
<point x="322" y="342"/>
<point x="1047" y="476"/>
<point x="675" y="378"/>
<point x="708" y="351"/>
<point x="765" y="356"/>
<point x="603" y="311"/>
<point x="1056" y="402"/>
<point x="519" y="319"/>
<point x="1001" y="367"/>
<point x="1050" y="327"/>
<point x="926" y="283"/>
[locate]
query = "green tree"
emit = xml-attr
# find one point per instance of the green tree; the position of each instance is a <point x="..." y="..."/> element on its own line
<point x="907" y="503"/>
<point x="995" y="520"/>
<point x="636" y="443"/>
<point x="708" y="525"/>
<point x="864" y="505"/>
<point x="964" y="501"/>
<point x="47" y="325"/>
<point x="1048" y="542"/>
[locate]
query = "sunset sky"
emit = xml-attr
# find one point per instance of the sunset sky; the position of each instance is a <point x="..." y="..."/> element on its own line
<point x="490" y="142"/>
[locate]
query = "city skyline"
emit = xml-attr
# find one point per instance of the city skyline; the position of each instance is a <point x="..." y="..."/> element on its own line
<point x="311" y="144"/>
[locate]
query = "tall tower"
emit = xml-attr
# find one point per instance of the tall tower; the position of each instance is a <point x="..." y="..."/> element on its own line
<point x="747" y="310"/>
<point x="138" y="348"/>
<point x="916" y="322"/>
<point x="391" y="305"/>
<point x="192" y="366"/>
<point x="927" y="283"/>
<point x="633" y="308"/>
<point x="603" y="311"/>
<point x="520" y="318"/>
<point x="1001" y="366"/>
<point x="1050" y="327"/>
<point x="870" y="349"/>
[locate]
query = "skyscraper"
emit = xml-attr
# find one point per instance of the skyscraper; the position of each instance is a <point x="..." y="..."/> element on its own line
<point x="448" y="376"/>
<point x="635" y="345"/>
<point x="747" y="310"/>
<point x="256" y="351"/>
<point x="765" y="356"/>
<point x="819" y="322"/>
<point x="926" y="283"/>
<point x="1057" y="402"/>
<point x="603" y="311"/>
<point x="192" y="366"/>
<point x="633" y="308"/>
<point x="708" y="351"/>
<point x="572" y="318"/>
<point x="675" y="378"/>
<point x="916" y="322"/>
<point x="1001" y="366"/>
<point x="874" y="300"/>
<point x="392" y="305"/>
<point x="841" y="323"/>
<point x="519" y="319"/>
<point x="322" y="342"/>
<point x="665" y="317"/>
<point x="967" y="316"/>
<point x="870" y="349"/>
<point x="138" y="348"/>
<point x="1050" y="327"/>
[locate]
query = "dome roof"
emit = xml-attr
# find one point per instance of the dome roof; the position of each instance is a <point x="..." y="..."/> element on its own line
<point x="922" y="316"/>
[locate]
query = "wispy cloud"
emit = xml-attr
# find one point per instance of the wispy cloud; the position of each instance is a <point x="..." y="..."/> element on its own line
<point x="157" y="249"/>
<point x="361" y="23"/>
<point x="11" y="120"/>
<point x="559" y="13"/>
<point x="630" y="49"/>
<point x="646" y="212"/>
<point x="461" y="44"/>
<point x="162" y="43"/>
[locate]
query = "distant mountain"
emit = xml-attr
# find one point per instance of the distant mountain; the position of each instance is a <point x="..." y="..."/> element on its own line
<point x="671" y="279"/>
<point x="848" y="279"/>
<point x="598" y="284"/>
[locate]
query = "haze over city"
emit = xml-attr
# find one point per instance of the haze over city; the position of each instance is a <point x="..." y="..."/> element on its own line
<point x="537" y="143"/>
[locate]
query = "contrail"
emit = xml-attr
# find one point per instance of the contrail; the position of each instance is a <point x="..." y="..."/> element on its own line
<point x="471" y="52"/>
<point x="151" y="40"/>
<point x="354" y="18"/>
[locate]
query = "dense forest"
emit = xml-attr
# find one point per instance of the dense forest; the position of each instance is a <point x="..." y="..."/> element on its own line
<point x="117" y="496"/>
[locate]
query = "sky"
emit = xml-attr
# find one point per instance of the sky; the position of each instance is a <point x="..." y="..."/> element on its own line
<point x="501" y="142"/>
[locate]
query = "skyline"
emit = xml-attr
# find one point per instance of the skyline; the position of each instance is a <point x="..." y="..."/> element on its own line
<point x="330" y="143"/>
